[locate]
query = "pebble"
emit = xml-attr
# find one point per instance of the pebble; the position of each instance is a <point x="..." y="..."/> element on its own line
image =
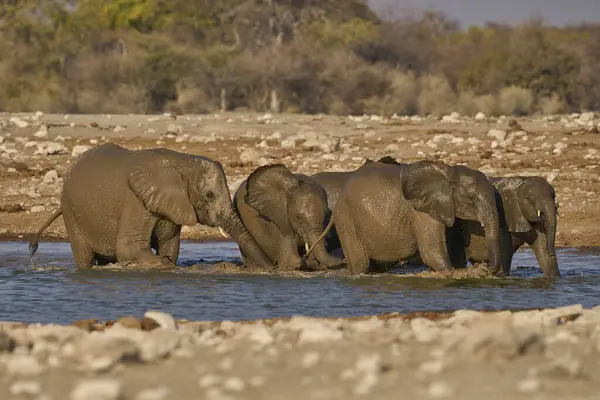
<point x="42" y="132"/>
<point x="251" y="157"/>
<point x="25" y="388"/>
<point x="23" y="365"/>
<point x="37" y="209"/>
<point x="97" y="389"/>
<point x="164" y="320"/>
<point x="159" y="393"/>
<point x="480" y="116"/>
<point x="234" y="384"/>
<point x="50" y="176"/>
<point x="497" y="134"/>
<point x="50" y="148"/>
<point x="439" y="390"/>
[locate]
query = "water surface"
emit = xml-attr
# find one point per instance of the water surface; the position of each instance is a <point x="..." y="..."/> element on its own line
<point x="48" y="288"/>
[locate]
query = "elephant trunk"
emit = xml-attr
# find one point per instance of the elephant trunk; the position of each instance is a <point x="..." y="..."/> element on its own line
<point x="548" y="211"/>
<point x="492" y="240"/>
<point x="317" y="243"/>
<point x="253" y="254"/>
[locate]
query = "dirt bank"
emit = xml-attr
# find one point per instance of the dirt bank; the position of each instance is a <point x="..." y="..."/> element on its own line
<point x="35" y="151"/>
<point x="547" y="354"/>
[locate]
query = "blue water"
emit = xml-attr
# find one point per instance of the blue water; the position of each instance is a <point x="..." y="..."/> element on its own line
<point x="49" y="288"/>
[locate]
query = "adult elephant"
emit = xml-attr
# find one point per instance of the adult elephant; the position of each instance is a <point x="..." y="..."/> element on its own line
<point x="285" y="213"/>
<point x="119" y="204"/>
<point x="528" y="208"/>
<point x="396" y="212"/>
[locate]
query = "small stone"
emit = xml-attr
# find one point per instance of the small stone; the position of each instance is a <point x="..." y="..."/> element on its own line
<point x="439" y="390"/>
<point x="529" y="385"/>
<point x="480" y="116"/>
<point x="234" y="384"/>
<point x="288" y="143"/>
<point x="118" y="129"/>
<point x="97" y="389"/>
<point x="42" y="132"/>
<point x="391" y="148"/>
<point x="250" y="157"/>
<point x="23" y="365"/>
<point x="275" y="135"/>
<point x="209" y="380"/>
<point x="25" y="388"/>
<point x="159" y="393"/>
<point x="79" y="149"/>
<point x="50" y="176"/>
<point x="19" y="123"/>
<point x="164" y="320"/>
<point x="497" y="134"/>
<point x="148" y="324"/>
<point x="311" y="359"/>
<point x="37" y="209"/>
<point x="50" y="148"/>
<point x="261" y="335"/>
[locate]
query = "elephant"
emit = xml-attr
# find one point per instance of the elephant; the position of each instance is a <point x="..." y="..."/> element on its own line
<point x="395" y="212"/>
<point x="119" y="204"/>
<point x="528" y="211"/>
<point x="284" y="212"/>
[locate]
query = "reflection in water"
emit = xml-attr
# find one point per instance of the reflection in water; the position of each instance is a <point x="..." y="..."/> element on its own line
<point x="48" y="288"/>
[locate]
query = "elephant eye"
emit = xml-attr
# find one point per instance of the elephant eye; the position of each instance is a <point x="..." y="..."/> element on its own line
<point x="210" y="195"/>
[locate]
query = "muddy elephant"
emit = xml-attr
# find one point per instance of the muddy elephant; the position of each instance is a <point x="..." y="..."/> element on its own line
<point x="528" y="211"/>
<point x="395" y="212"/>
<point x="285" y="213"/>
<point x="118" y="205"/>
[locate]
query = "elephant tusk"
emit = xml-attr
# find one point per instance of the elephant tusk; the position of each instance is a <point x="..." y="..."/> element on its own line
<point x="306" y="247"/>
<point x="539" y="213"/>
<point x="222" y="232"/>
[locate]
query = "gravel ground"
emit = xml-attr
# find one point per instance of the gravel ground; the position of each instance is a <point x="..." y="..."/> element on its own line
<point x="36" y="150"/>
<point x="548" y="354"/>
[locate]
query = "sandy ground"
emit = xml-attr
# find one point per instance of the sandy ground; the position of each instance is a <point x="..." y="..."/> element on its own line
<point x="548" y="354"/>
<point x="564" y="149"/>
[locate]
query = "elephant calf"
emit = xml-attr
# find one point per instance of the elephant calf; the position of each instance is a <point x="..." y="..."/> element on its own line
<point x="528" y="209"/>
<point x="285" y="212"/>
<point x="119" y="204"/>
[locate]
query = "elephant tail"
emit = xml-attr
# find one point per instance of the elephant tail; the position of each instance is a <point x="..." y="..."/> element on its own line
<point x="321" y="236"/>
<point x="33" y="245"/>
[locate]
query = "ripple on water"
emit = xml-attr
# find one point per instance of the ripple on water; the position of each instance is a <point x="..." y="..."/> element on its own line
<point x="209" y="285"/>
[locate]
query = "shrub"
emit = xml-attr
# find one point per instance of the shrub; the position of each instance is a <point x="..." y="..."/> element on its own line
<point x="515" y="101"/>
<point x="551" y="105"/>
<point x="436" y="97"/>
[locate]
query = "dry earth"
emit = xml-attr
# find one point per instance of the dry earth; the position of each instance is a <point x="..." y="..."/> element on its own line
<point x="547" y="354"/>
<point x="36" y="150"/>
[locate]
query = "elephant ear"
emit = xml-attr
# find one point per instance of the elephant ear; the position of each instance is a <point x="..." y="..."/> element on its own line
<point x="163" y="191"/>
<point x="509" y="193"/>
<point x="268" y="190"/>
<point x="427" y="186"/>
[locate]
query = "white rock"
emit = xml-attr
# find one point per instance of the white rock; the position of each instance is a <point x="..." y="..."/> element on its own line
<point x="25" y="388"/>
<point x="50" y="176"/>
<point x="50" y="148"/>
<point x="497" y="134"/>
<point x="288" y="143"/>
<point x="450" y="119"/>
<point x="42" y="132"/>
<point x="97" y="389"/>
<point x="439" y="390"/>
<point x="310" y="359"/>
<point x="259" y="334"/>
<point x="37" y="209"/>
<point x="586" y="117"/>
<point x="250" y="156"/>
<point x="164" y="320"/>
<point x="275" y="135"/>
<point x="19" y="123"/>
<point x="79" y="149"/>
<point x="234" y="384"/>
<point x="425" y="330"/>
<point x="160" y="393"/>
<point x="174" y="129"/>
<point x="390" y="148"/>
<point x="312" y="330"/>
<point x="480" y="116"/>
<point x="23" y="365"/>
<point x="368" y="325"/>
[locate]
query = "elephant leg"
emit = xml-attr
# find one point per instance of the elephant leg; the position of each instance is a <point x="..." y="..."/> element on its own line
<point x="355" y="253"/>
<point x="82" y="252"/>
<point x="431" y="241"/>
<point x="456" y="245"/>
<point x="288" y="257"/>
<point x="168" y="237"/>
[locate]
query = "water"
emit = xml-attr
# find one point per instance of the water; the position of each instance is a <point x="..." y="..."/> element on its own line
<point x="50" y="289"/>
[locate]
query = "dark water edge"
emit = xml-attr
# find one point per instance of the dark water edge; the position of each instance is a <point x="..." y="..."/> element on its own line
<point x="49" y="289"/>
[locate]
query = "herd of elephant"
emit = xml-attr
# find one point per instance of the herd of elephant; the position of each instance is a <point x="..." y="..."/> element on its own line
<point x="121" y="205"/>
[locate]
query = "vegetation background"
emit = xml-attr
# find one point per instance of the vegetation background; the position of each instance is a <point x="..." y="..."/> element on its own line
<point x="310" y="56"/>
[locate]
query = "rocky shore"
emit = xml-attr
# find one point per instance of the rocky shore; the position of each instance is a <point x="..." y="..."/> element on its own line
<point x="36" y="150"/>
<point x="539" y="354"/>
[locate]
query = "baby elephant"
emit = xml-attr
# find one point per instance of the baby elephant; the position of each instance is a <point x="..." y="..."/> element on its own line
<point x="284" y="213"/>
<point x="529" y="212"/>
<point x="120" y="204"/>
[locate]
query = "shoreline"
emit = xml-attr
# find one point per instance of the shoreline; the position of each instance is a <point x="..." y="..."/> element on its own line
<point x="549" y="353"/>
